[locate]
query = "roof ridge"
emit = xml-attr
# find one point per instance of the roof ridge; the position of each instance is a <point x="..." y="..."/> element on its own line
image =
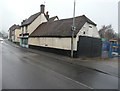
<point x="30" y="19"/>
<point x="72" y="17"/>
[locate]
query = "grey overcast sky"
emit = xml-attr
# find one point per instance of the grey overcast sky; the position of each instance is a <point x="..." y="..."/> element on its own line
<point x="102" y="12"/>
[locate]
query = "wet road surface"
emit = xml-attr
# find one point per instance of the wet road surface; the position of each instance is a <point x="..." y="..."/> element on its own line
<point x="23" y="69"/>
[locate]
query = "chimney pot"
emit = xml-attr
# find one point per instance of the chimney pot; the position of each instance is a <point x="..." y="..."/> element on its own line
<point x="47" y="15"/>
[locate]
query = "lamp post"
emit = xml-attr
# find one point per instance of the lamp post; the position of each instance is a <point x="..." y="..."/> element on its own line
<point x="73" y="30"/>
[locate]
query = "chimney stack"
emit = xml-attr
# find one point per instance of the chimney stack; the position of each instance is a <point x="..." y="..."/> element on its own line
<point x="42" y="8"/>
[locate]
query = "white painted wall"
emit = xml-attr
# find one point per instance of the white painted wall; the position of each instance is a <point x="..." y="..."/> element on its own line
<point x="91" y="32"/>
<point x="60" y="43"/>
<point x="25" y="29"/>
<point x="39" y="20"/>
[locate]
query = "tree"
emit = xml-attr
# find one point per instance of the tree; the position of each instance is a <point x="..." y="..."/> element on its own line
<point x="108" y="33"/>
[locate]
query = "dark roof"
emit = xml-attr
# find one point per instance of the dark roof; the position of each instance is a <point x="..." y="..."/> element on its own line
<point x="13" y="27"/>
<point x="53" y="18"/>
<point x="60" y="28"/>
<point x="30" y="19"/>
<point x="17" y="27"/>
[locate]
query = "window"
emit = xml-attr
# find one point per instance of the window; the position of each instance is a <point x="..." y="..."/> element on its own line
<point x="84" y="32"/>
<point x="90" y="26"/>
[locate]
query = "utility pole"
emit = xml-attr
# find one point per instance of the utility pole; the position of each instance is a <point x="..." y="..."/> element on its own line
<point x="73" y="30"/>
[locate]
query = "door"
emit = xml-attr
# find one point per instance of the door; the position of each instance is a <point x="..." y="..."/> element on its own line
<point x="25" y="42"/>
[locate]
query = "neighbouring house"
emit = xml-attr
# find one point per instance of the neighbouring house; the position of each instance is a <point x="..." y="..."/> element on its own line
<point x="17" y="32"/>
<point x="56" y="36"/>
<point x="11" y="29"/>
<point x="13" y="33"/>
<point x="30" y="24"/>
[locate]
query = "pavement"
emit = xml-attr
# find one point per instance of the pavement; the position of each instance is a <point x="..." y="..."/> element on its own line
<point x="106" y="66"/>
<point x="31" y="69"/>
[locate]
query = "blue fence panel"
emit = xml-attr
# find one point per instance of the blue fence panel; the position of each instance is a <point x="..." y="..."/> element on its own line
<point x="105" y="49"/>
<point x="106" y="46"/>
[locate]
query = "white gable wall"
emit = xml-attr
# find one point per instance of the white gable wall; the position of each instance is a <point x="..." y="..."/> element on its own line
<point x="88" y="30"/>
<point x="40" y="19"/>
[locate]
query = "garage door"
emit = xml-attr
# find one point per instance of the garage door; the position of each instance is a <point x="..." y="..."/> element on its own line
<point x="89" y="47"/>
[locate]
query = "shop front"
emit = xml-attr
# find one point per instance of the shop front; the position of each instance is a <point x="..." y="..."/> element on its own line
<point x="24" y="40"/>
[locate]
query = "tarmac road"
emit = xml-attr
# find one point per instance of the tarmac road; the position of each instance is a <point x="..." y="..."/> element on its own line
<point x="22" y="69"/>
